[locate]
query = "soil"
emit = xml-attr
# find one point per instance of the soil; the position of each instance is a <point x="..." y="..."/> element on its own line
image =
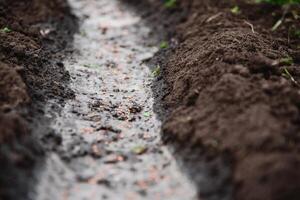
<point x="227" y="92"/>
<point x="32" y="32"/>
<point x="228" y="101"/>
<point x="106" y="142"/>
<point x="80" y="123"/>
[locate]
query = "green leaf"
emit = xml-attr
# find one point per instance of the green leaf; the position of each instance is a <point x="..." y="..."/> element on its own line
<point x="156" y="71"/>
<point x="139" y="150"/>
<point x="5" y="30"/>
<point x="146" y="114"/>
<point x="170" y="3"/>
<point x="286" y="61"/>
<point x="235" y="10"/>
<point x="164" y="45"/>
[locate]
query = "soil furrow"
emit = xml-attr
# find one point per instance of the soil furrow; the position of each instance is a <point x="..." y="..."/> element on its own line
<point x="106" y="142"/>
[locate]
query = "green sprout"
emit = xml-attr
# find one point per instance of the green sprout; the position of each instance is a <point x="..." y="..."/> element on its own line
<point x="170" y="3"/>
<point x="235" y="10"/>
<point x="164" y="45"/>
<point x="146" y="114"/>
<point x="156" y="71"/>
<point x="5" y="30"/>
<point x="286" y="61"/>
<point x="139" y="150"/>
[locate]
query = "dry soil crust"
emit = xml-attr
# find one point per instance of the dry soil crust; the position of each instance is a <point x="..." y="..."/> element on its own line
<point x="230" y="98"/>
<point x="32" y="32"/>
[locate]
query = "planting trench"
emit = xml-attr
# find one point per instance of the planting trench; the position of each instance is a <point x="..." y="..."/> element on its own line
<point x="227" y="90"/>
<point x="106" y="140"/>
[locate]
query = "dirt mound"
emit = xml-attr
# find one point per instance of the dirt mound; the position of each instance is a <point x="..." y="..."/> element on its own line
<point x="30" y="73"/>
<point x="232" y="89"/>
<point x="26" y="69"/>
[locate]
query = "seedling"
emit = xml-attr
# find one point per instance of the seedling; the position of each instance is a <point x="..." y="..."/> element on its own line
<point x="5" y="30"/>
<point x="287" y="74"/>
<point x="170" y="3"/>
<point x="164" y="45"/>
<point x="286" y="61"/>
<point x="156" y="71"/>
<point x="235" y="10"/>
<point x="139" y="150"/>
<point x="146" y="114"/>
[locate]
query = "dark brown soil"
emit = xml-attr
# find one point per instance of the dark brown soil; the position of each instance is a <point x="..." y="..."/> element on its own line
<point x="26" y="68"/>
<point x="32" y="32"/>
<point x="228" y="97"/>
<point x="232" y="108"/>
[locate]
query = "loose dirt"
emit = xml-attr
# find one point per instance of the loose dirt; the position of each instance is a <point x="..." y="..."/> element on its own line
<point x="231" y="104"/>
<point x="106" y="142"/>
<point x="29" y="74"/>
<point x="227" y="90"/>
